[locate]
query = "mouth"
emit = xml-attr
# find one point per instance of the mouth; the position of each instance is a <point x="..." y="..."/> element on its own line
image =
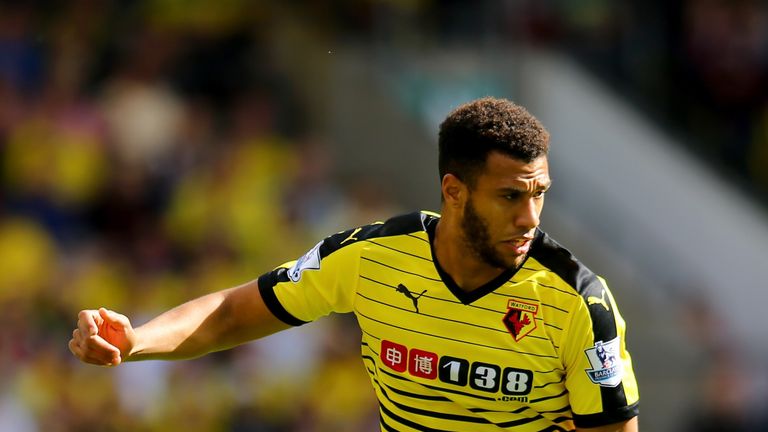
<point x="519" y="245"/>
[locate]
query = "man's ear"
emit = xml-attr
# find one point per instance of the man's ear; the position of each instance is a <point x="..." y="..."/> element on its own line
<point x="454" y="191"/>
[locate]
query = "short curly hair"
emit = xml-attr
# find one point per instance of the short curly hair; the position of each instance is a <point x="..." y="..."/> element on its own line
<point x="477" y="128"/>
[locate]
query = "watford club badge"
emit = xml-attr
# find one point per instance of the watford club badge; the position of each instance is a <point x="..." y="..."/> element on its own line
<point x="520" y="318"/>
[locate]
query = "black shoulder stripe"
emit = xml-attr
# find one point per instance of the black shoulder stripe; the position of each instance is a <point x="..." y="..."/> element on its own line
<point x="267" y="282"/>
<point x="404" y="224"/>
<point x="559" y="260"/>
<point x="398" y="225"/>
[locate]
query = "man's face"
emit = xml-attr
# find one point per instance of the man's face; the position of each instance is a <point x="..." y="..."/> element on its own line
<point x="502" y="210"/>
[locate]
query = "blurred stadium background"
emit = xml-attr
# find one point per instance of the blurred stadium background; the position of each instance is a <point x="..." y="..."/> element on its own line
<point x="155" y="150"/>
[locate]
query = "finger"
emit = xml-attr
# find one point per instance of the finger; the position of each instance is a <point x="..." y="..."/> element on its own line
<point x="86" y="351"/>
<point x="74" y="347"/>
<point x="92" y="358"/>
<point x="88" y="322"/>
<point x="95" y="342"/>
<point x="99" y="352"/>
<point x="89" y="356"/>
<point x="77" y="338"/>
<point x="99" y="344"/>
<point x="77" y="350"/>
<point x="115" y="319"/>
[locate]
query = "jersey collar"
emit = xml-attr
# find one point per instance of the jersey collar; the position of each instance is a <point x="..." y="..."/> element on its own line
<point x="467" y="297"/>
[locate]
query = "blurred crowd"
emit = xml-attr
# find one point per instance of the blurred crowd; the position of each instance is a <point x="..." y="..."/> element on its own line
<point x="699" y="68"/>
<point x="151" y="151"/>
<point x="730" y="391"/>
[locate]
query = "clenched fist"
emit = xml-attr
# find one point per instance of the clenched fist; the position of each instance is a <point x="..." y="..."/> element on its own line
<point x="102" y="337"/>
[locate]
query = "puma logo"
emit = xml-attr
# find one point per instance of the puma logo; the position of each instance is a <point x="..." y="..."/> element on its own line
<point x="415" y="299"/>
<point x="591" y="300"/>
<point x="352" y="236"/>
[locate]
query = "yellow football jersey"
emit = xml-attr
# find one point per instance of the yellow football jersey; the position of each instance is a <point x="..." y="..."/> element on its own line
<point x="539" y="348"/>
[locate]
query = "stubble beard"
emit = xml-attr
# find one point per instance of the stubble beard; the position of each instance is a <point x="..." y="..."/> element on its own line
<point x="478" y="239"/>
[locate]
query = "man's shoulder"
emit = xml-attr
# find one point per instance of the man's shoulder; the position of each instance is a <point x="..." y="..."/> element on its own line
<point x="557" y="259"/>
<point x="404" y="224"/>
<point x="408" y="223"/>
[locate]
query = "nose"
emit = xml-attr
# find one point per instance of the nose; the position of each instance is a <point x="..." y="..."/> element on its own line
<point x="527" y="217"/>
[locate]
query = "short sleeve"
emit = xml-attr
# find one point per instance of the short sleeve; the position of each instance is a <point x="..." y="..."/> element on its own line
<point x="599" y="374"/>
<point x="320" y="282"/>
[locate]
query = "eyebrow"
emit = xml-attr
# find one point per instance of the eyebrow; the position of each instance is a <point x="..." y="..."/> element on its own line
<point x="543" y="187"/>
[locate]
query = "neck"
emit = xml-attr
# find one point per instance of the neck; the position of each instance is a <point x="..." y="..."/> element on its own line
<point x="465" y="267"/>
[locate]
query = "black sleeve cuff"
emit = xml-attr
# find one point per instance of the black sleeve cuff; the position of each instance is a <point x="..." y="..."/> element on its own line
<point x="606" y="418"/>
<point x="267" y="283"/>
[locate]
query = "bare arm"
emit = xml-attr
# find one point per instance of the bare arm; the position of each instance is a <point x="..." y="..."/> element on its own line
<point x="627" y="426"/>
<point x="209" y="323"/>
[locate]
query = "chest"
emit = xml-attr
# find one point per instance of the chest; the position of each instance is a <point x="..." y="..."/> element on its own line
<point x="496" y="353"/>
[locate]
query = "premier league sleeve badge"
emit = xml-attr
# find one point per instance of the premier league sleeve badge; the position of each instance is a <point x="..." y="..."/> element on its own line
<point x="605" y="359"/>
